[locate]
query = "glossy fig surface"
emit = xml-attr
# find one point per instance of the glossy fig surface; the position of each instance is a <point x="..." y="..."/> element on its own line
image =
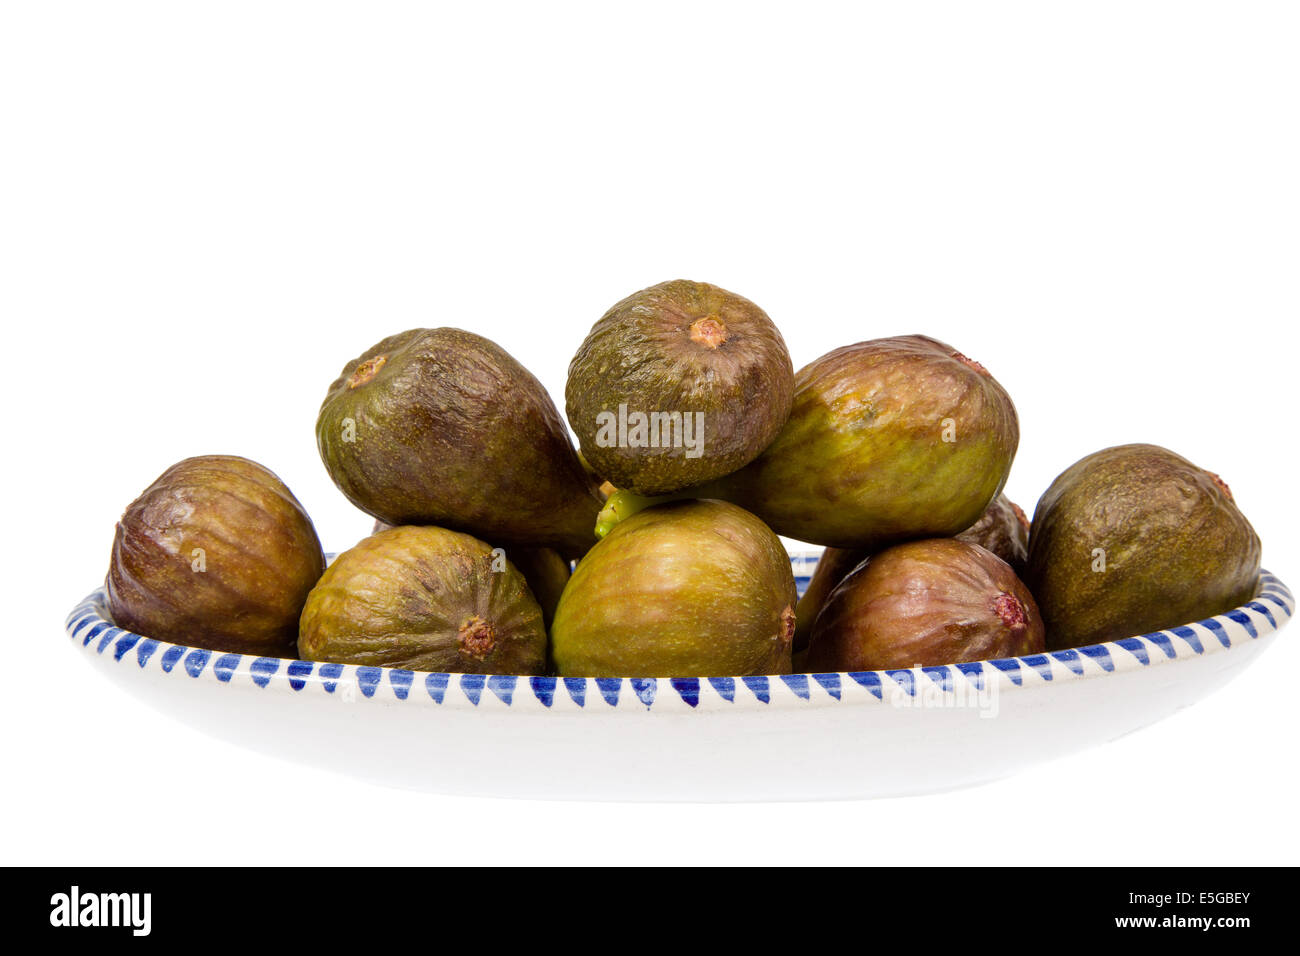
<point x="444" y="427"/>
<point x="887" y="440"/>
<point x="424" y="598"/>
<point x="216" y="553"/>
<point x="678" y="384"/>
<point x="922" y="604"/>
<point x="685" y="589"/>
<point x="544" y="569"/>
<point x="1135" y="539"/>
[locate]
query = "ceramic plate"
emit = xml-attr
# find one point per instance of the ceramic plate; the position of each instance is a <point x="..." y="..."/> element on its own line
<point x="790" y="737"/>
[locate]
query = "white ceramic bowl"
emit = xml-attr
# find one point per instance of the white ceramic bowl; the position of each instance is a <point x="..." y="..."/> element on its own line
<point x="801" y="736"/>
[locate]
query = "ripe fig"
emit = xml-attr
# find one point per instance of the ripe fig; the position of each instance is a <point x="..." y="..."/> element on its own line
<point x="922" y="604"/>
<point x="678" y="384"/>
<point x="440" y="426"/>
<point x="1002" y="529"/>
<point x="216" y="553"/>
<point x="685" y="589"/>
<point x="1135" y="539"/>
<point x="888" y="440"/>
<point x="424" y="598"/>
<point x="543" y="568"/>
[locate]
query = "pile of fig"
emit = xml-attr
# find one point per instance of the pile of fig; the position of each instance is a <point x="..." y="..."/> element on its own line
<point x="652" y="548"/>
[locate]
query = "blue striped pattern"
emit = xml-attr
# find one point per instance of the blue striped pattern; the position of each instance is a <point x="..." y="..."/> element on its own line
<point x="89" y="627"/>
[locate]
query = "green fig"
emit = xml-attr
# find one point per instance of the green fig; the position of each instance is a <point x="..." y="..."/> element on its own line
<point x="888" y="440"/>
<point x="443" y="427"/>
<point x="216" y="553"/>
<point x="543" y="568"/>
<point x="685" y="589"/>
<point x="678" y="384"/>
<point x="424" y="598"/>
<point x="923" y="604"/>
<point x="1135" y="539"/>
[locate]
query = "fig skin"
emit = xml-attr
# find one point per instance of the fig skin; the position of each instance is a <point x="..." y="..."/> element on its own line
<point x="1002" y="529"/>
<point x="1176" y="547"/>
<point x="258" y="558"/>
<point x="862" y="461"/>
<point x="448" y="429"/>
<point x="923" y="604"/>
<point x="543" y="568"/>
<point x="681" y="346"/>
<point x="424" y="598"/>
<point x="685" y="589"/>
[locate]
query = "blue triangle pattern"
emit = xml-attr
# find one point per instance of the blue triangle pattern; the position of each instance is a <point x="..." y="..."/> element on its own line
<point x="1242" y="618"/>
<point x="472" y="686"/>
<point x="124" y="644"/>
<point x="401" y="679"/>
<point x="870" y="680"/>
<point x="758" y="686"/>
<point x="1070" y="658"/>
<point x="725" y="686"/>
<point x="503" y="686"/>
<point x="829" y="683"/>
<point x="798" y="684"/>
<point x="1193" y="639"/>
<point x="107" y="639"/>
<point x="688" y="689"/>
<point x="224" y="666"/>
<point x="974" y="673"/>
<point x="368" y="679"/>
<point x="645" y="689"/>
<point x="1041" y="665"/>
<point x="1099" y="653"/>
<point x="145" y="650"/>
<point x="170" y="657"/>
<point x="609" y="687"/>
<point x="195" y="661"/>
<point x="1260" y="608"/>
<point x="904" y="679"/>
<point x="941" y="676"/>
<point x="1163" y="641"/>
<point x="543" y="689"/>
<point x="263" y="669"/>
<point x="1217" y="630"/>
<point x="1135" y="647"/>
<point x="330" y="674"/>
<point x="298" y="672"/>
<point x="435" y="685"/>
<point x="577" y="688"/>
<point x="94" y="632"/>
<point x="1011" y="667"/>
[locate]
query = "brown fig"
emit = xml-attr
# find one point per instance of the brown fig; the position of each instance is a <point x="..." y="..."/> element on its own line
<point x="925" y="603"/>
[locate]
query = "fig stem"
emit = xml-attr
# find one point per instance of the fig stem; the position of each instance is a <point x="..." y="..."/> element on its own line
<point x="623" y="504"/>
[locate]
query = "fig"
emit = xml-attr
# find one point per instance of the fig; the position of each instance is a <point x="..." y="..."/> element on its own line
<point x="887" y="441"/>
<point x="684" y="589"/>
<point x="832" y="566"/>
<point x="922" y="604"/>
<point x="678" y="384"/>
<point x="443" y="427"/>
<point x="1002" y="529"/>
<point x="1135" y="539"/>
<point x="424" y="598"/>
<point x="543" y="568"/>
<point x="216" y="553"/>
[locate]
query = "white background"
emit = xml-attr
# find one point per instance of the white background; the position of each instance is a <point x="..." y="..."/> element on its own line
<point x="205" y="210"/>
